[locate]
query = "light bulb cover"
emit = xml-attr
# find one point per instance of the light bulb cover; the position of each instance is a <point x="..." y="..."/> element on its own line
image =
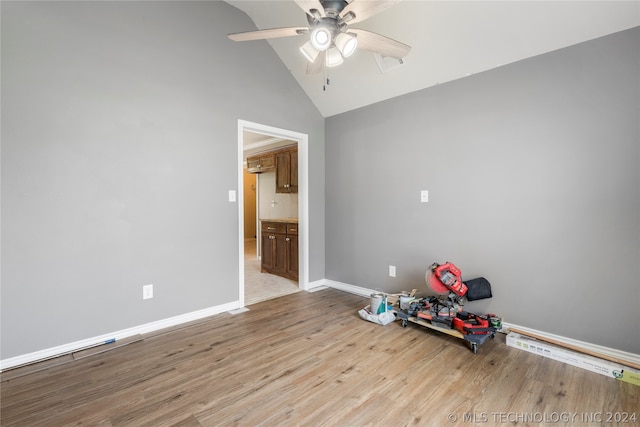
<point x="346" y="43"/>
<point x="334" y="57"/>
<point x="309" y="52"/>
<point x="321" y="38"/>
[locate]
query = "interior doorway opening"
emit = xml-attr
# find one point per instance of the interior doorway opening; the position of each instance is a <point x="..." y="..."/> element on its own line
<point x="254" y="138"/>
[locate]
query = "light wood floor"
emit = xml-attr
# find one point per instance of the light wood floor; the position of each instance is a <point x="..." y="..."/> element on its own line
<point x="307" y="359"/>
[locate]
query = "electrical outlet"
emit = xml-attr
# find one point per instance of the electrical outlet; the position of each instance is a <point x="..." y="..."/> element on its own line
<point x="147" y="291"/>
<point x="392" y="271"/>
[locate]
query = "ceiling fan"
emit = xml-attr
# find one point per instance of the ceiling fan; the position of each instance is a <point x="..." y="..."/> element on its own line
<point x="331" y="40"/>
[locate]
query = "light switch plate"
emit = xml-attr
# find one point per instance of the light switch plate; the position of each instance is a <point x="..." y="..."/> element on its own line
<point x="424" y="196"/>
<point x="232" y="195"/>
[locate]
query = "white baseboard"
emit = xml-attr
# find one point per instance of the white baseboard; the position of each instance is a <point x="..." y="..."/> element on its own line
<point x="357" y="290"/>
<point x="316" y="288"/>
<point x="588" y="347"/>
<point x="118" y="335"/>
<point x="316" y="285"/>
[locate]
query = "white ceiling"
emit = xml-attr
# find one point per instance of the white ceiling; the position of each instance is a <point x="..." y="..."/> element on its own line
<point x="254" y="143"/>
<point x="449" y="40"/>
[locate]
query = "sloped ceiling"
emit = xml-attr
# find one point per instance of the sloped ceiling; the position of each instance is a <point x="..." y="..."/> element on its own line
<point x="449" y="39"/>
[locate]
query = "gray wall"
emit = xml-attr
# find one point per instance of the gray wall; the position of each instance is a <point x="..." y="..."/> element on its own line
<point x="119" y="146"/>
<point x="533" y="177"/>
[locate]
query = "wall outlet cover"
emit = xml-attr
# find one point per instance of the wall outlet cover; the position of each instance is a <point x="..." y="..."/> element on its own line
<point x="147" y="291"/>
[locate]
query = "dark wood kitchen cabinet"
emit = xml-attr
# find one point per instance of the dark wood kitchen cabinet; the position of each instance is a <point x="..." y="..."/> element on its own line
<point x="261" y="163"/>
<point x="280" y="248"/>
<point x="291" y="252"/>
<point x="287" y="170"/>
<point x="285" y="163"/>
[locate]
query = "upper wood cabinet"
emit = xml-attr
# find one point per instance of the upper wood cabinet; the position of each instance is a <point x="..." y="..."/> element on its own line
<point x="261" y="163"/>
<point x="287" y="170"/>
<point x="285" y="163"/>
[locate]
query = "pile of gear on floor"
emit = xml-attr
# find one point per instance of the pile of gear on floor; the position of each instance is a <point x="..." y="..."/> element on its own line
<point x="443" y="312"/>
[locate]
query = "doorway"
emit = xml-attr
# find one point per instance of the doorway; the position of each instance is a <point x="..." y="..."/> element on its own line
<point x="271" y="136"/>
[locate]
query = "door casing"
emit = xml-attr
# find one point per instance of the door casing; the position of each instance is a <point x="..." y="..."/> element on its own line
<point x="303" y="198"/>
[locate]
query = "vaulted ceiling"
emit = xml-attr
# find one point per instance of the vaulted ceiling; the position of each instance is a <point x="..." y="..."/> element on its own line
<point x="449" y="39"/>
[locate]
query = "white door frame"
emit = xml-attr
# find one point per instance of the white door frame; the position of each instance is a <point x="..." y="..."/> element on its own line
<point x="303" y="198"/>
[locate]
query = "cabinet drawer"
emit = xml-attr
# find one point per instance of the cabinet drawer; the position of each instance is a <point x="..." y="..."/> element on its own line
<point x="274" y="227"/>
<point x="292" y="228"/>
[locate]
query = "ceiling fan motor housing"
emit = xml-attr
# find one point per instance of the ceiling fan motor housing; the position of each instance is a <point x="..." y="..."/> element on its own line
<point x="324" y="29"/>
<point x="333" y="7"/>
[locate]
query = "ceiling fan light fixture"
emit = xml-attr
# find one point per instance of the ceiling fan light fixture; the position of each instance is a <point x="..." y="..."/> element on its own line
<point x="309" y="52"/>
<point x="346" y="44"/>
<point x="321" y="38"/>
<point x="334" y="58"/>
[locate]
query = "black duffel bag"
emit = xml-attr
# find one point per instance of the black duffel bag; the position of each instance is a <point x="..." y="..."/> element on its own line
<point x="479" y="288"/>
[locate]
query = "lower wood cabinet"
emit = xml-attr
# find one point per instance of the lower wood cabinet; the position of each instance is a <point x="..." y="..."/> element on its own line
<point x="280" y="249"/>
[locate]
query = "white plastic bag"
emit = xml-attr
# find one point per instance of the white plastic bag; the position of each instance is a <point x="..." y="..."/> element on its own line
<point x="382" y="319"/>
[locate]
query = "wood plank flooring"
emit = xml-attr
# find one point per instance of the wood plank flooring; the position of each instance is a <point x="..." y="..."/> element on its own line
<point x="307" y="359"/>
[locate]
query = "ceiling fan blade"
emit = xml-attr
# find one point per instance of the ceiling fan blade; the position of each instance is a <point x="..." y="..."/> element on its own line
<point x="377" y="43"/>
<point x="309" y="5"/>
<point x="271" y="33"/>
<point x="363" y="9"/>
<point x="318" y="64"/>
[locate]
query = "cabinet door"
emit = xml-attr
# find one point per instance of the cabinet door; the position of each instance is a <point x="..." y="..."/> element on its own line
<point x="293" y="171"/>
<point x="292" y="257"/>
<point x="279" y="258"/>
<point x="283" y="172"/>
<point x="287" y="171"/>
<point x="268" y="252"/>
<point x="261" y="163"/>
<point x="253" y="164"/>
<point x="267" y="162"/>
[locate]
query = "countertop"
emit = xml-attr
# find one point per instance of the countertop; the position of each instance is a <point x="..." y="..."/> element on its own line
<point x="288" y="220"/>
